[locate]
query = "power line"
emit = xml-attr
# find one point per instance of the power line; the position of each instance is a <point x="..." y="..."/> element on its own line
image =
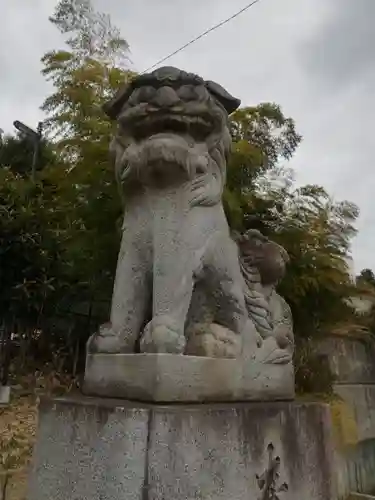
<point x="213" y="28"/>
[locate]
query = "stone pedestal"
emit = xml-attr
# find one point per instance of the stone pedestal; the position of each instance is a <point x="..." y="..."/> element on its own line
<point x="4" y="395"/>
<point x="101" y="449"/>
<point x="169" y="378"/>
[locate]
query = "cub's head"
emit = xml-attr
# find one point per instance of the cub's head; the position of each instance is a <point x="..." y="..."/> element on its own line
<point x="269" y="258"/>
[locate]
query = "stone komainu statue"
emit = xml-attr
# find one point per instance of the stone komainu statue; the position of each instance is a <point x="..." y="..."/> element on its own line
<point x="263" y="264"/>
<point x="176" y="255"/>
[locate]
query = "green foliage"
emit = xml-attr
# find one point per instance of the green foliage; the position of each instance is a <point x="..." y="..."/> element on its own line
<point x="84" y="77"/>
<point x="313" y="373"/>
<point x="16" y="152"/>
<point x="29" y="252"/>
<point x="86" y="197"/>
<point x="366" y="287"/>
<point x="315" y="230"/>
<point x="59" y="238"/>
<point x="262" y="136"/>
<point x="366" y="276"/>
<point x="317" y="233"/>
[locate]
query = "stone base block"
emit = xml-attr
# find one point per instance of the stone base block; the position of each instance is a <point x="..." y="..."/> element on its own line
<point x="359" y="496"/>
<point x="116" y="450"/>
<point x="355" y="441"/>
<point x="173" y="378"/>
<point x="4" y="395"/>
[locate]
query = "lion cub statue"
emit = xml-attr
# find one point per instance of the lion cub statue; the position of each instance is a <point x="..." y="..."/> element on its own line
<point x="263" y="264"/>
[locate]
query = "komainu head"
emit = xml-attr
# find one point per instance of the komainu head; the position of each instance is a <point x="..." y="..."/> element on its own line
<point x="263" y="254"/>
<point x="171" y="126"/>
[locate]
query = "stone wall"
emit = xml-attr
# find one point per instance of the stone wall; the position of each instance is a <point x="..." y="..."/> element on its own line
<point x="352" y="360"/>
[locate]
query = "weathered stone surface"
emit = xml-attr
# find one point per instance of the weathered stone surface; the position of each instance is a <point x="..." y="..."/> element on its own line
<point x="181" y="285"/>
<point x="4" y="394"/>
<point x="168" y="378"/>
<point x="354" y="468"/>
<point x="361" y="398"/>
<point x="355" y="460"/>
<point x="263" y="265"/>
<point x="170" y="155"/>
<point x="114" y="450"/>
<point x="89" y="450"/>
<point x="351" y="359"/>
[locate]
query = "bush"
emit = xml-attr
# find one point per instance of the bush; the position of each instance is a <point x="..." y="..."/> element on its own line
<point x="313" y="373"/>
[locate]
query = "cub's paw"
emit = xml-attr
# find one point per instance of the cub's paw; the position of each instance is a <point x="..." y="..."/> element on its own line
<point x="213" y="341"/>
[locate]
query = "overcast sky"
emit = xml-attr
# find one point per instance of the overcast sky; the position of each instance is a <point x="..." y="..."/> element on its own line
<point x="315" y="58"/>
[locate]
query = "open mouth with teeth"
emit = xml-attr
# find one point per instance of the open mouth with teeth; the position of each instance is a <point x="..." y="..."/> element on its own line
<point x="196" y="127"/>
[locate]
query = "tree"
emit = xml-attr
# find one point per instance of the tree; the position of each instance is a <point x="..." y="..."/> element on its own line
<point x="16" y="152"/>
<point x="27" y="254"/>
<point x="84" y="77"/>
<point x="366" y="276"/>
<point x="314" y="229"/>
<point x="317" y="232"/>
<point x="262" y="137"/>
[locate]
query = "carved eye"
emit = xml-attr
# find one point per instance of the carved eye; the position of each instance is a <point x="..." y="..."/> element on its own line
<point x="187" y="93"/>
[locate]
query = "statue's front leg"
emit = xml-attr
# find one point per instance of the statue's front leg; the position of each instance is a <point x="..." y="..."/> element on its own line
<point x="131" y="300"/>
<point x="172" y="271"/>
<point x="172" y="290"/>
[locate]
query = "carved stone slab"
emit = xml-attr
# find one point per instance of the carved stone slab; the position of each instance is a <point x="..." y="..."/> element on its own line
<point x="178" y="378"/>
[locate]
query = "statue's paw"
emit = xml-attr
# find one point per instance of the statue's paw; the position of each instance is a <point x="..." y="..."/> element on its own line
<point x="213" y="341"/>
<point x="271" y="353"/>
<point x="279" y="357"/>
<point x="204" y="191"/>
<point x="107" y="341"/>
<point x="283" y="334"/>
<point x="161" y="336"/>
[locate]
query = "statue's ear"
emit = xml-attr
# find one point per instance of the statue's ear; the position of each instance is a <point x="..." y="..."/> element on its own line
<point x="113" y="107"/>
<point x="229" y="102"/>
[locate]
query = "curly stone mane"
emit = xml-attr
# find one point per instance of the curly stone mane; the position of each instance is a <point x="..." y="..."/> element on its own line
<point x="194" y="111"/>
<point x="262" y="263"/>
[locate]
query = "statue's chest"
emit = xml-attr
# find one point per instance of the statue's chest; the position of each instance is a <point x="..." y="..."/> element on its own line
<point x="169" y="218"/>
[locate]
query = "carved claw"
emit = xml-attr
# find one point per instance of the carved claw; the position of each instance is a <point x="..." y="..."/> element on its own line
<point x="278" y="357"/>
<point x="271" y="353"/>
<point x="205" y="191"/>
<point x="107" y="341"/>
